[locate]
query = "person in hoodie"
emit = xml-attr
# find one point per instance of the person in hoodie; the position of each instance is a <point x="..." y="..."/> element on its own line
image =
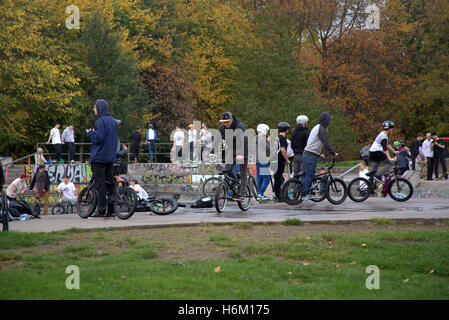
<point x="103" y="154"/>
<point x="299" y="141"/>
<point x="238" y="154"/>
<point x="317" y="139"/>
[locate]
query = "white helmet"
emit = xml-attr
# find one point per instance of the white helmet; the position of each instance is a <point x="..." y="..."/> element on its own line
<point x="263" y="128"/>
<point x="302" y="119"/>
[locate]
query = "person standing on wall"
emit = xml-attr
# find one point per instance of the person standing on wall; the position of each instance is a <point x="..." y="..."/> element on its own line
<point x="68" y="138"/>
<point x="416" y="144"/>
<point x="136" y="138"/>
<point x="427" y="149"/>
<point x="55" y="138"/>
<point x="151" y="141"/>
<point x="439" y="155"/>
<point x="103" y="154"/>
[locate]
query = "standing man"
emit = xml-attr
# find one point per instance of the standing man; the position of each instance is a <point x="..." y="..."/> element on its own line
<point x="317" y="139"/>
<point x="416" y="144"/>
<point x="205" y="140"/>
<point x="238" y="153"/>
<point x="299" y="141"/>
<point x="151" y="141"/>
<point x="103" y="154"/>
<point x="55" y="138"/>
<point x="136" y="138"/>
<point x="283" y="128"/>
<point x="178" y="141"/>
<point x="42" y="182"/>
<point x="427" y="149"/>
<point x="263" y="160"/>
<point x="192" y="140"/>
<point x="68" y="138"/>
<point x="439" y="155"/>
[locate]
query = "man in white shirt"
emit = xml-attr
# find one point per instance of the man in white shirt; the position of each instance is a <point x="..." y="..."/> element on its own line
<point x="18" y="186"/>
<point x="178" y="141"/>
<point x="427" y="149"/>
<point x="141" y="193"/>
<point x="68" y="138"/>
<point x="192" y="140"/>
<point x="55" y="138"/>
<point x="206" y="140"/>
<point x="68" y="190"/>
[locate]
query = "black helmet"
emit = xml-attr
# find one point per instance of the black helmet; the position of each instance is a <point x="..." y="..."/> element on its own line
<point x="388" y="124"/>
<point x="283" y="126"/>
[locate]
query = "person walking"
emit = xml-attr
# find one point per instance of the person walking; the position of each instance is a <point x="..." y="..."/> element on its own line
<point x="55" y="138"/>
<point x="136" y="138"/>
<point x="427" y="149"/>
<point x="299" y="141"/>
<point x="262" y="160"/>
<point x="416" y="144"/>
<point x="439" y="156"/>
<point x="41" y="180"/>
<point x="151" y="141"/>
<point x="68" y="138"/>
<point x="283" y="128"/>
<point x="103" y="154"/>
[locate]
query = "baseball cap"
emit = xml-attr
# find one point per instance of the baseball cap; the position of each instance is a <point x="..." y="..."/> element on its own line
<point x="322" y="168"/>
<point x="23" y="176"/>
<point x="226" y="116"/>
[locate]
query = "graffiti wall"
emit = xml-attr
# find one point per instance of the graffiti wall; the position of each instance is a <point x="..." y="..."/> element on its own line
<point x="78" y="173"/>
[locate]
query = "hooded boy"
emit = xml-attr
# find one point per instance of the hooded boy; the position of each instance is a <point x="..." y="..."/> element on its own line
<point x="103" y="153"/>
<point x="317" y="139"/>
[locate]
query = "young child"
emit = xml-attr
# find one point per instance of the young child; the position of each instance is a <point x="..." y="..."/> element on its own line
<point x="362" y="174"/>
<point x="403" y="159"/>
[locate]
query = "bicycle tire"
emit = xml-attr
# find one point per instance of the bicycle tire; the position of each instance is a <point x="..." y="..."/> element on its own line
<point x="395" y="195"/>
<point x="163" y="206"/>
<point x="291" y="191"/>
<point x="126" y="199"/>
<point x="208" y="186"/>
<point x="253" y="186"/>
<point x="87" y="202"/>
<point x="221" y="197"/>
<point x="332" y="186"/>
<point x="356" y="193"/>
<point x="249" y="197"/>
<point x="316" y="190"/>
<point x="58" y="209"/>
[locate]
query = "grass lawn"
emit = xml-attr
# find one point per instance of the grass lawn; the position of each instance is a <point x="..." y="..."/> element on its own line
<point x="240" y="261"/>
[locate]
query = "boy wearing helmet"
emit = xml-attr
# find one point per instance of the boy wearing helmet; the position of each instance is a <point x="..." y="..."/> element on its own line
<point x="262" y="160"/>
<point x="379" y="151"/>
<point x="283" y="128"/>
<point x="299" y="141"/>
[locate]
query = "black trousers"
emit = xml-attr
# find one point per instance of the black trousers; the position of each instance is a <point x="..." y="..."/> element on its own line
<point x="279" y="179"/>
<point x="57" y="148"/>
<point x="71" y="150"/>
<point x="437" y="161"/>
<point x="414" y="163"/>
<point x="102" y="173"/>
<point x="430" y="167"/>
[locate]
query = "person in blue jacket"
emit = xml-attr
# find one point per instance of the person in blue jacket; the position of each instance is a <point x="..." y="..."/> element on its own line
<point x="103" y="154"/>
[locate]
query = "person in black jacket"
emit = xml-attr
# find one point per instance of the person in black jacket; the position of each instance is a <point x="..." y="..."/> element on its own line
<point x="439" y="155"/>
<point x="299" y="141"/>
<point x="42" y="182"/>
<point x="403" y="158"/>
<point x="416" y="144"/>
<point x="238" y="153"/>
<point x="136" y="138"/>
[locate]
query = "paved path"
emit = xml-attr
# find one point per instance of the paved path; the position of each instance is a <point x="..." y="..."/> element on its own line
<point x="266" y="212"/>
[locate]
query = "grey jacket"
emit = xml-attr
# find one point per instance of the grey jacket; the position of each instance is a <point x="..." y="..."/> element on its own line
<point x="318" y="137"/>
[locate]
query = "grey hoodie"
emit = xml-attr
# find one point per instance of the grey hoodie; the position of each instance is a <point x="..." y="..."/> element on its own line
<point x="318" y="137"/>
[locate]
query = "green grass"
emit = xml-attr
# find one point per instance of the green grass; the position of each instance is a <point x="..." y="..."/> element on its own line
<point x="383" y="221"/>
<point x="262" y="262"/>
<point x="292" y="222"/>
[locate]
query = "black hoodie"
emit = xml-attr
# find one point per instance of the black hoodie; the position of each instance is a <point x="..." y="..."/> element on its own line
<point x="299" y="139"/>
<point x="236" y="125"/>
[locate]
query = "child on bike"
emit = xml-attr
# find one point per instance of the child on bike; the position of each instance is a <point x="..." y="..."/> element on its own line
<point x="68" y="190"/>
<point x="379" y="151"/>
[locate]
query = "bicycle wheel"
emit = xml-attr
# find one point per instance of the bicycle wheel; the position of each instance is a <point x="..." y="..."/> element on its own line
<point x="318" y="189"/>
<point x="336" y="191"/>
<point x="291" y="191"/>
<point x="58" y="209"/>
<point x="245" y="205"/>
<point x="210" y="186"/>
<point x="163" y="206"/>
<point x="400" y="189"/>
<point x="126" y="202"/>
<point x="253" y="186"/>
<point x="358" y="190"/>
<point x="87" y="202"/>
<point x="221" y="197"/>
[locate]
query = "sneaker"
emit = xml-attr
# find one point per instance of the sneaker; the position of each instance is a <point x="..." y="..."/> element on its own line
<point x="265" y="198"/>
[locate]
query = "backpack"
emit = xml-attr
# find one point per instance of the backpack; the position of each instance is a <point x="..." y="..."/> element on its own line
<point x="203" y="203"/>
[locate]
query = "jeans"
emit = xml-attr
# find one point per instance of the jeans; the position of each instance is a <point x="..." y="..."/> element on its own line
<point x="263" y="179"/>
<point x="388" y="166"/>
<point x="430" y="165"/>
<point x="298" y="165"/>
<point x="437" y="161"/>
<point x="151" y="148"/>
<point x="310" y="162"/>
<point x="71" y="150"/>
<point x="102" y="172"/>
<point x="58" y="151"/>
